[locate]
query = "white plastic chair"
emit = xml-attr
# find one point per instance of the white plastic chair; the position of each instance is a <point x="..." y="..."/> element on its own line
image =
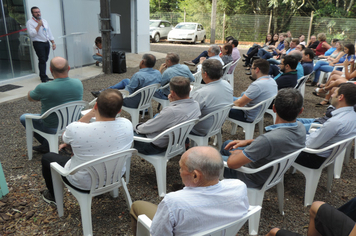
<point x="250" y="127"/>
<point x="66" y="114"/>
<point x="230" y="77"/>
<point x="301" y="84"/>
<point x="176" y="145"/>
<point x="106" y="177"/>
<point x="226" y="69"/>
<point x="197" y="82"/>
<point x="163" y="102"/>
<point x="217" y="120"/>
<point x="255" y="196"/>
<point x="145" y="103"/>
<point x="144" y="225"/>
<point x="312" y="176"/>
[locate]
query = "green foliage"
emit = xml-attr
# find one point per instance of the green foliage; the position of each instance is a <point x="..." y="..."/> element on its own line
<point x="164" y="5"/>
<point x="329" y="10"/>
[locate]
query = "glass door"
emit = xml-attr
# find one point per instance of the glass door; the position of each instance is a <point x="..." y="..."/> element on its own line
<point x="15" y="51"/>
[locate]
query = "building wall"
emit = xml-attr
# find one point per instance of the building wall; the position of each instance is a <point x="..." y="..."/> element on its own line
<point x="122" y="41"/>
<point x="81" y="16"/>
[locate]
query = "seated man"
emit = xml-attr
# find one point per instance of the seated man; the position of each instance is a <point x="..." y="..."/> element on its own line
<point x="313" y="43"/>
<point x="229" y="39"/>
<point x="53" y="93"/>
<point x="213" y="53"/>
<point x="275" y="72"/>
<point x="216" y="94"/>
<point x="181" y="109"/>
<point x="173" y="68"/>
<point x="307" y="61"/>
<point x="203" y="204"/>
<point x="97" y="48"/>
<point x="340" y="126"/>
<point x="325" y="220"/>
<point x="235" y="54"/>
<point x="263" y="88"/>
<point x="292" y="46"/>
<point x="89" y="141"/>
<point x="289" y="76"/>
<point x="284" y="137"/>
<point x="144" y="77"/>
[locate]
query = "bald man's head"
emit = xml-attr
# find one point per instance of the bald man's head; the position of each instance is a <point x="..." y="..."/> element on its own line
<point x="205" y="159"/>
<point x="59" y="66"/>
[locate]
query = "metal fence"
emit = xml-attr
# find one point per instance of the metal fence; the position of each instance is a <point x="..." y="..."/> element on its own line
<point x="253" y="28"/>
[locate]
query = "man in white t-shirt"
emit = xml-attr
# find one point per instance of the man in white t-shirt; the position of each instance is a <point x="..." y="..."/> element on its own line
<point x="89" y="141"/>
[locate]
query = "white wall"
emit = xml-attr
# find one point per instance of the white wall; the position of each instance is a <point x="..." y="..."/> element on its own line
<point x="81" y="16"/>
<point x="51" y="12"/>
<point x="143" y="26"/>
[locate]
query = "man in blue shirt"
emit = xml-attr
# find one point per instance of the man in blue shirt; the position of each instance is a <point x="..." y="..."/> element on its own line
<point x="144" y="77"/>
<point x="340" y="126"/>
<point x="173" y="68"/>
<point x="307" y="61"/>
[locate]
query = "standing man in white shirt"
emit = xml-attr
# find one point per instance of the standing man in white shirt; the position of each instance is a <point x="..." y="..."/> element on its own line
<point x="40" y="35"/>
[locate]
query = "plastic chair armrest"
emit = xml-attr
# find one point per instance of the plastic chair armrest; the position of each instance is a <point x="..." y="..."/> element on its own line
<point x="145" y="221"/>
<point x="59" y="169"/>
<point x="33" y="117"/>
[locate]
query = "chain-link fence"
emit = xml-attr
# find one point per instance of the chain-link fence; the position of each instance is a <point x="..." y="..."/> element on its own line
<point x="253" y="28"/>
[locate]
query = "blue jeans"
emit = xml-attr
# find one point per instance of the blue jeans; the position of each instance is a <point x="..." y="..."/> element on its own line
<point x="42" y="52"/>
<point x="307" y="122"/>
<point x="264" y="54"/>
<point x="97" y="58"/>
<point x="273" y="61"/>
<point x="160" y="94"/>
<point x="121" y="85"/>
<point x="321" y="66"/>
<point x="226" y="153"/>
<point x="38" y="124"/>
<point x="203" y="54"/>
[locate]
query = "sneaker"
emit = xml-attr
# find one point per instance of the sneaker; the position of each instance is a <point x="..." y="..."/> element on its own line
<point x="95" y="93"/>
<point x="47" y="197"/>
<point x="41" y="148"/>
<point x="189" y="63"/>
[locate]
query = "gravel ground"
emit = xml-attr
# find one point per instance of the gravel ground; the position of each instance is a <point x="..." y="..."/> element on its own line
<point x="23" y="212"/>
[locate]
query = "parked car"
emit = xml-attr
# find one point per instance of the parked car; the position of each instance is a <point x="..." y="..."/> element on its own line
<point x="159" y="29"/>
<point x="187" y="32"/>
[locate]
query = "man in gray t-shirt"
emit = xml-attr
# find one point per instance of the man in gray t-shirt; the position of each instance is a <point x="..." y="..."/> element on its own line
<point x="263" y="88"/>
<point x="281" y="139"/>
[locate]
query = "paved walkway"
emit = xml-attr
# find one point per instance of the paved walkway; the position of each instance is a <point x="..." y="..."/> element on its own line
<point x="29" y="82"/>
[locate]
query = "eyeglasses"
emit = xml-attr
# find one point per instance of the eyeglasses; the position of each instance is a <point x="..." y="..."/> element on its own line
<point x="253" y="68"/>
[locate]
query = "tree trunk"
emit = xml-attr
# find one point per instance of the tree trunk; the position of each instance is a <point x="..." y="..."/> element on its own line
<point x="350" y="5"/>
<point x="213" y="21"/>
<point x="105" y="34"/>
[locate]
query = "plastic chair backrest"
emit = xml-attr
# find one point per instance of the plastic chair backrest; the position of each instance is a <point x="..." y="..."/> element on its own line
<point x="177" y="136"/>
<point x="233" y="65"/>
<point x="233" y="227"/>
<point x="301" y="81"/>
<point x="146" y="96"/>
<point x="280" y="167"/>
<point x="226" y="69"/>
<point x="218" y="118"/>
<point x="106" y="171"/>
<point x="337" y="149"/>
<point x="263" y="107"/>
<point x="66" y="113"/>
<point x="197" y="80"/>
